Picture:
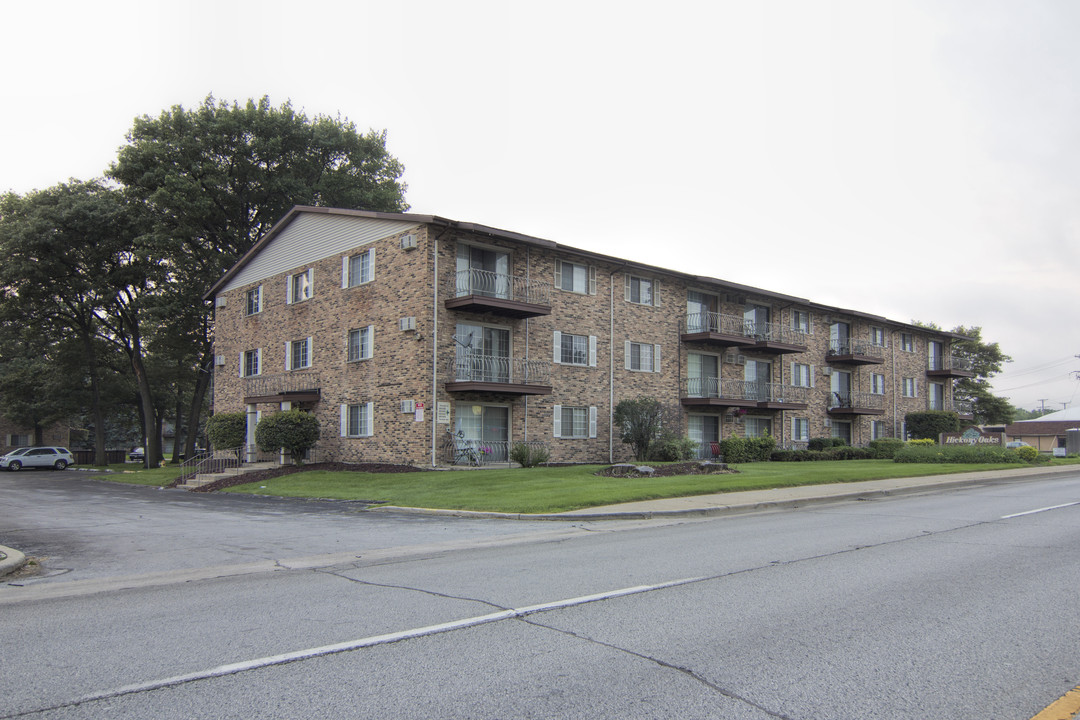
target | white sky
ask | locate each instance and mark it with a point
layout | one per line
(916, 159)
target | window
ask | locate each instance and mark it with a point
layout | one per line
(800, 321)
(361, 343)
(704, 430)
(356, 420)
(877, 336)
(841, 429)
(573, 277)
(574, 422)
(482, 271)
(877, 430)
(18, 440)
(937, 396)
(253, 301)
(642, 291)
(907, 342)
(801, 375)
(642, 357)
(575, 349)
(358, 269)
(300, 287)
(877, 384)
(758, 426)
(800, 430)
(910, 388)
(250, 362)
(298, 354)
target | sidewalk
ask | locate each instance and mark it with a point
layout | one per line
(753, 500)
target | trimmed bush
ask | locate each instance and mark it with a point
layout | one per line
(956, 454)
(227, 430)
(834, 453)
(885, 448)
(294, 430)
(735, 450)
(1027, 453)
(922, 442)
(528, 456)
(670, 447)
(824, 443)
(931, 423)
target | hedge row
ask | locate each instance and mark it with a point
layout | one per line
(957, 454)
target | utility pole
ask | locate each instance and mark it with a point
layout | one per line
(1042, 402)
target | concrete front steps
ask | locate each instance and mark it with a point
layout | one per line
(207, 478)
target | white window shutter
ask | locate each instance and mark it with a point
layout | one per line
(288, 289)
(626, 288)
(592, 279)
(557, 355)
(811, 375)
(369, 420)
(626, 355)
(371, 342)
(557, 429)
(288, 356)
(656, 292)
(258, 360)
(592, 421)
(371, 265)
(310, 351)
(241, 363)
(311, 282)
(592, 351)
(258, 297)
(915, 386)
(656, 358)
(344, 271)
(344, 420)
(558, 274)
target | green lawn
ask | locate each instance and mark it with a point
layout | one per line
(134, 474)
(548, 490)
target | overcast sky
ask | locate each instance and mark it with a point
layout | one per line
(919, 160)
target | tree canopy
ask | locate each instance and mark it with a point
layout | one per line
(986, 360)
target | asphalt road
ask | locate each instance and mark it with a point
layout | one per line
(945, 605)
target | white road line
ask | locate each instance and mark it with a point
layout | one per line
(244, 666)
(1032, 512)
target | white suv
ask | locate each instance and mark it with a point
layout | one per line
(56, 458)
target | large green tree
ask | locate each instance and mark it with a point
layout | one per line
(985, 359)
(218, 176)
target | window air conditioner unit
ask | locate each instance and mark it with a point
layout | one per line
(219, 302)
(408, 242)
(219, 360)
(828, 422)
(407, 323)
(408, 406)
(828, 371)
(740, 359)
(730, 357)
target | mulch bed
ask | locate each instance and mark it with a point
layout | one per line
(261, 475)
(685, 468)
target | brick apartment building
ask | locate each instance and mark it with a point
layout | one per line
(417, 339)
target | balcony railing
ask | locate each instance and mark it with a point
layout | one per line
(710, 387)
(282, 384)
(949, 366)
(711, 322)
(855, 350)
(463, 451)
(500, 286)
(856, 402)
(776, 333)
(498, 369)
(781, 393)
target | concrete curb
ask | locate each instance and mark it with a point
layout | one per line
(10, 560)
(814, 495)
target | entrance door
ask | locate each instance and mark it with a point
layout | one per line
(842, 429)
(937, 355)
(483, 272)
(937, 396)
(485, 429)
(483, 353)
(840, 338)
(701, 312)
(705, 431)
(841, 389)
(756, 321)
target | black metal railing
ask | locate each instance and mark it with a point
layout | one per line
(498, 369)
(864, 348)
(855, 400)
(266, 385)
(499, 285)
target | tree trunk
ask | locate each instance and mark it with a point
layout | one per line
(152, 448)
(202, 384)
(178, 427)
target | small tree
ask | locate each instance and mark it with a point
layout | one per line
(641, 421)
(227, 430)
(294, 430)
(931, 423)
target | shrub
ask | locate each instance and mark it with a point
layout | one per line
(294, 430)
(227, 430)
(885, 448)
(955, 454)
(1027, 453)
(672, 447)
(735, 450)
(528, 456)
(834, 453)
(640, 421)
(931, 423)
(760, 448)
(922, 442)
(824, 443)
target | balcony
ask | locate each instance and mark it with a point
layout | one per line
(714, 392)
(483, 291)
(964, 408)
(716, 329)
(297, 386)
(776, 338)
(854, 352)
(856, 403)
(949, 367)
(495, 374)
(784, 397)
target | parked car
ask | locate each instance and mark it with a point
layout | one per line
(137, 454)
(57, 458)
